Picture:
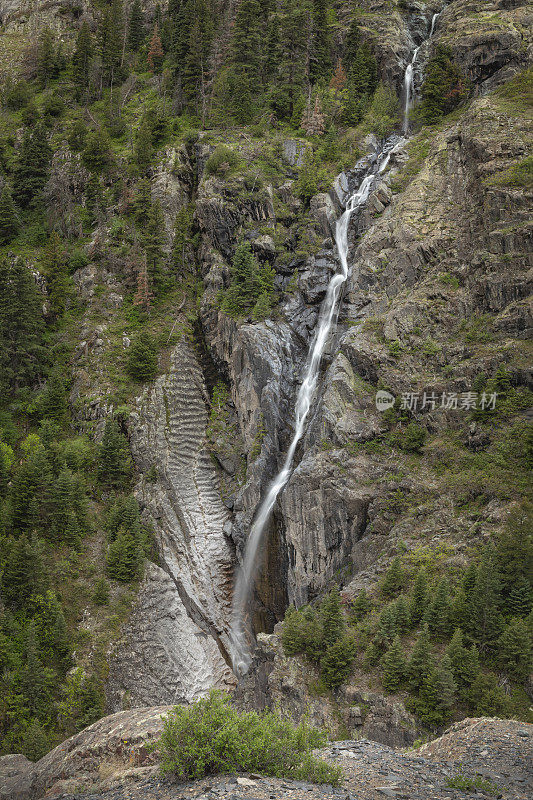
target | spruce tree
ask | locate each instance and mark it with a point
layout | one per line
(418, 598)
(52, 403)
(9, 219)
(114, 459)
(153, 241)
(244, 77)
(360, 607)
(320, 56)
(336, 663)
(97, 155)
(444, 86)
(142, 204)
(420, 661)
(332, 619)
(81, 60)
(24, 573)
(488, 619)
(111, 39)
(436, 694)
(46, 57)
(155, 53)
(35, 740)
(515, 650)
(393, 580)
(124, 557)
(135, 27)
(142, 358)
(401, 614)
(101, 593)
(32, 165)
(197, 36)
(387, 627)
(64, 523)
(36, 679)
(514, 562)
(394, 666)
(439, 611)
(372, 655)
(464, 663)
(464, 605)
(290, 73)
(30, 492)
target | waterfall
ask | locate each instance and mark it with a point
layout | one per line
(240, 651)
(408, 79)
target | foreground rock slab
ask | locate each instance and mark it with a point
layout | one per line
(109, 761)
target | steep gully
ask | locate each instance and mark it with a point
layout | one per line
(240, 647)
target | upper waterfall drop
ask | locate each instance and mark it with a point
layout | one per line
(240, 649)
(409, 77)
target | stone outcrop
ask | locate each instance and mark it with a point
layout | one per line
(177, 632)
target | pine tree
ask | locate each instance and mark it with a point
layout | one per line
(332, 619)
(46, 57)
(336, 663)
(439, 611)
(393, 580)
(372, 655)
(444, 86)
(514, 562)
(7, 457)
(420, 662)
(387, 627)
(32, 165)
(81, 60)
(195, 72)
(436, 694)
(30, 490)
(9, 219)
(142, 358)
(394, 666)
(52, 404)
(124, 513)
(338, 79)
(244, 74)
(401, 614)
(54, 267)
(320, 56)
(135, 27)
(24, 572)
(383, 114)
(64, 523)
(351, 45)
(155, 53)
(360, 607)
(290, 71)
(418, 599)
(488, 619)
(114, 459)
(515, 650)
(97, 155)
(35, 740)
(124, 557)
(101, 593)
(464, 663)
(262, 308)
(111, 39)
(464, 606)
(143, 204)
(36, 679)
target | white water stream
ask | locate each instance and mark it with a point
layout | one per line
(409, 76)
(240, 650)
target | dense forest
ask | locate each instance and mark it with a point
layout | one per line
(109, 92)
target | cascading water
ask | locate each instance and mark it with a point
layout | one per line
(240, 650)
(409, 76)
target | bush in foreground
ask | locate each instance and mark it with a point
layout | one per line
(210, 737)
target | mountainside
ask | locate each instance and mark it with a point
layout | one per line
(171, 180)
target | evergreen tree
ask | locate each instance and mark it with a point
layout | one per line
(464, 606)
(515, 650)
(436, 694)
(244, 78)
(332, 618)
(54, 267)
(46, 57)
(142, 358)
(114, 459)
(444, 86)
(124, 557)
(514, 562)
(35, 740)
(387, 627)
(418, 599)
(135, 27)
(101, 593)
(9, 219)
(155, 53)
(32, 165)
(52, 404)
(320, 57)
(143, 204)
(243, 288)
(439, 611)
(420, 662)
(336, 663)
(198, 35)
(81, 60)
(383, 114)
(401, 614)
(7, 457)
(111, 39)
(352, 42)
(360, 607)
(372, 655)
(143, 295)
(37, 680)
(394, 666)
(64, 523)
(488, 619)
(97, 155)
(393, 580)
(24, 572)
(464, 663)
(30, 491)
(290, 71)
(124, 513)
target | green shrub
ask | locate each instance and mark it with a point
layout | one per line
(209, 737)
(336, 664)
(142, 359)
(221, 161)
(413, 438)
